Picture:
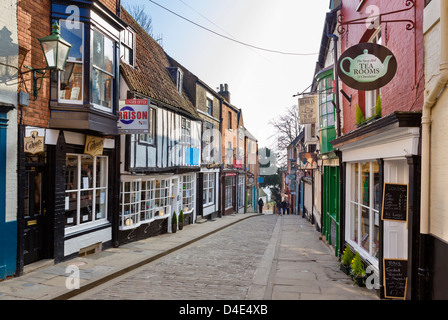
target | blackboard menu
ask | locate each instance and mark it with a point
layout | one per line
(395, 202)
(395, 278)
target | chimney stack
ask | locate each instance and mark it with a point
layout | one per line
(224, 91)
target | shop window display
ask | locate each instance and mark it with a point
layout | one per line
(86, 190)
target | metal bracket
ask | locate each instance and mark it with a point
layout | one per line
(42, 72)
(410, 4)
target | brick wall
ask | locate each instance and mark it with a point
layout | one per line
(33, 22)
(405, 91)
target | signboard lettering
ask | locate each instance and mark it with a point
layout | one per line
(134, 116)
(308, 109)
(34, 143)
(367, 66)
(395, 202)
(395, 278)
(94, 146)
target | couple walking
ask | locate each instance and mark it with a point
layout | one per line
(283, 207)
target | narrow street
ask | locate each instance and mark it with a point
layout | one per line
(266, 257)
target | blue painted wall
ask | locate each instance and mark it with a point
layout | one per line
(8, 230)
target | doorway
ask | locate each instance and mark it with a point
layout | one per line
(331, 218)
(35, 215)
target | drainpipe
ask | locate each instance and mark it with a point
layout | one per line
(430, 101)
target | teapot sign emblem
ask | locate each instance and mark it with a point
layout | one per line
(367, 66)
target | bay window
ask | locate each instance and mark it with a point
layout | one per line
(326, 108)
(102, 71)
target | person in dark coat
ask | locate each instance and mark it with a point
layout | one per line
(279, 207)
(260, 205)
(283, 207)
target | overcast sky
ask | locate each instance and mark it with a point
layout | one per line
(262, 84)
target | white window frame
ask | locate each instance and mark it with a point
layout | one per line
(101, 71)
(241, 191)
(130, 204)
(125, 44)
(188, 194)
(354, 200)
(150, 137)
(229, 192)
(186, 131)
(80, 101)
(209, 105)
(87, 186)
(150, 201)
(208, 193)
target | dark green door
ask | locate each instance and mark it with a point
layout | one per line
(331, 218)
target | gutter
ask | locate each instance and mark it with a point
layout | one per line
(430, 101)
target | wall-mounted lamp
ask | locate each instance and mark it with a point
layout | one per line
(56, 51)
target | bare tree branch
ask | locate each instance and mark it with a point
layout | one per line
(287, 128)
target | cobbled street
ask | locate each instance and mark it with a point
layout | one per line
(249, 260)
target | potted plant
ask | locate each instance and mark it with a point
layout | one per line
(358, 270)
(359, 116)
(174, 222)
(181, 220)
(346, 259)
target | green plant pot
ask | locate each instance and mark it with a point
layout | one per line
(174, 228)
(345, 269)
(181, 225)
(360, 281)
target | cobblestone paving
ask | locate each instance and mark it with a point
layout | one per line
(220, 266)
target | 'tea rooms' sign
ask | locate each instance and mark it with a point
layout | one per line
(367, 66)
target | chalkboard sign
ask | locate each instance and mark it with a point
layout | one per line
(395, 202)
(395, 278)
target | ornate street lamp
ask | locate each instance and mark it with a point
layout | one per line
(56, 51)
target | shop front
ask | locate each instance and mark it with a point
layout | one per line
(376, 156)
(67, 200)
(148, 202)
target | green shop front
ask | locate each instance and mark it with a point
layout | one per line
(329, 159)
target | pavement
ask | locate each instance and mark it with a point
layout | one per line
(296, 265)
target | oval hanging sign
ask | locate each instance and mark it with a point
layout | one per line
(367, 66)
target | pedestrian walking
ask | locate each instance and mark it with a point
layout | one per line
(283, 207)
(279, 207)
(260, 205)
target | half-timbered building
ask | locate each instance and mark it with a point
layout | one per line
(158, 167)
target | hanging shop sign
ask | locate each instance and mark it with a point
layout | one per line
(308, 160)
(134, 116)
(367, 66)
(238, 163)
(94, 146)
(34, 143)
(308, 109)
